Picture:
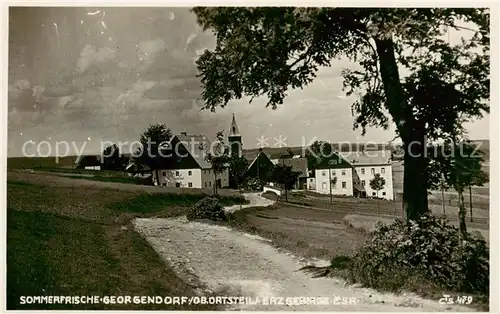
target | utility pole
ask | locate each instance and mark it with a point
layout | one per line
(330, 183)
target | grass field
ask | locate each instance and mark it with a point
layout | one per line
(41, 162)
(74, 240)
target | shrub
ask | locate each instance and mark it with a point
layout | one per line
(253, 184)
(207, 208)
(424, 253)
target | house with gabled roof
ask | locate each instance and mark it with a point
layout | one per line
(336, 175)
(350, 173)
(185, 164)
(366, 164)
(260, 165)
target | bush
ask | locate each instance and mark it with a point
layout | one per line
(427, 253)
(207, 208)
(253, 184)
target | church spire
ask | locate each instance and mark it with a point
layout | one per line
(234, 128)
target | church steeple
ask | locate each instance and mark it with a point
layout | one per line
(234, 128)
(234, 139)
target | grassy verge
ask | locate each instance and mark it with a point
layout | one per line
(71, 241)
(305, 233)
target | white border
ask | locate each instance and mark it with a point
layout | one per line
(494, 115)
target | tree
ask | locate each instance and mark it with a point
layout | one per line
(285, 176)
(237, 168)
(218, 158)
(111, 158)
(460, 164)
(436, 175)
(265, 51)
(317, 151)
(153, 142)
(479, 178)
(377, 184)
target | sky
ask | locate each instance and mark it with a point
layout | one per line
(90, 76)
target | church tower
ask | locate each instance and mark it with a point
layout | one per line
(234, 139)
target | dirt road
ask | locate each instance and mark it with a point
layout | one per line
(256, 200)
(232, 263)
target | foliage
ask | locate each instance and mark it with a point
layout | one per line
(285, 176)
(429, 251)
(264, 51)
(377, 183)
(457, 165)
(153, 141)
(318, 150)
(112, 159)
(237, 167)
(253, 184)
(207, 208)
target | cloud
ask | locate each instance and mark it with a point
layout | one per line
(90, 55)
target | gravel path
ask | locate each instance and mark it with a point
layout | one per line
(255, 200)
(232, 263)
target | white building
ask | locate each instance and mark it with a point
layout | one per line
(189, 169)
(368, 163)
(341, 178)
(350, 174)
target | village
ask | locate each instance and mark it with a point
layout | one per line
(173, 193)
(349, 172)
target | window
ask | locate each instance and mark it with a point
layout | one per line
(373, 170)
(164, 173)
(363, 183)
(323, 185)
(177, 185)
(209, 183)
(190, 184)
(190, 172)
(323, 173)
(334, 185)
(382, 170)
(374, 194)
(206, 184)
(177, 173)
(344, 184)
(334, 173)
(343, 172)
(164, 184)
(383, 193)
(362, 170)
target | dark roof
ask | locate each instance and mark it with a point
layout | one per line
(298, 165)
(333, 162)
(197, 146)
(250, 155)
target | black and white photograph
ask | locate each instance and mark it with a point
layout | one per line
(259, 158)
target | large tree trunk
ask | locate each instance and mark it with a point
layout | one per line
(415, 202)
(470, 203)
(461, 213)
(415, 176)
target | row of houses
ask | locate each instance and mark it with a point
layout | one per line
(352, 171)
